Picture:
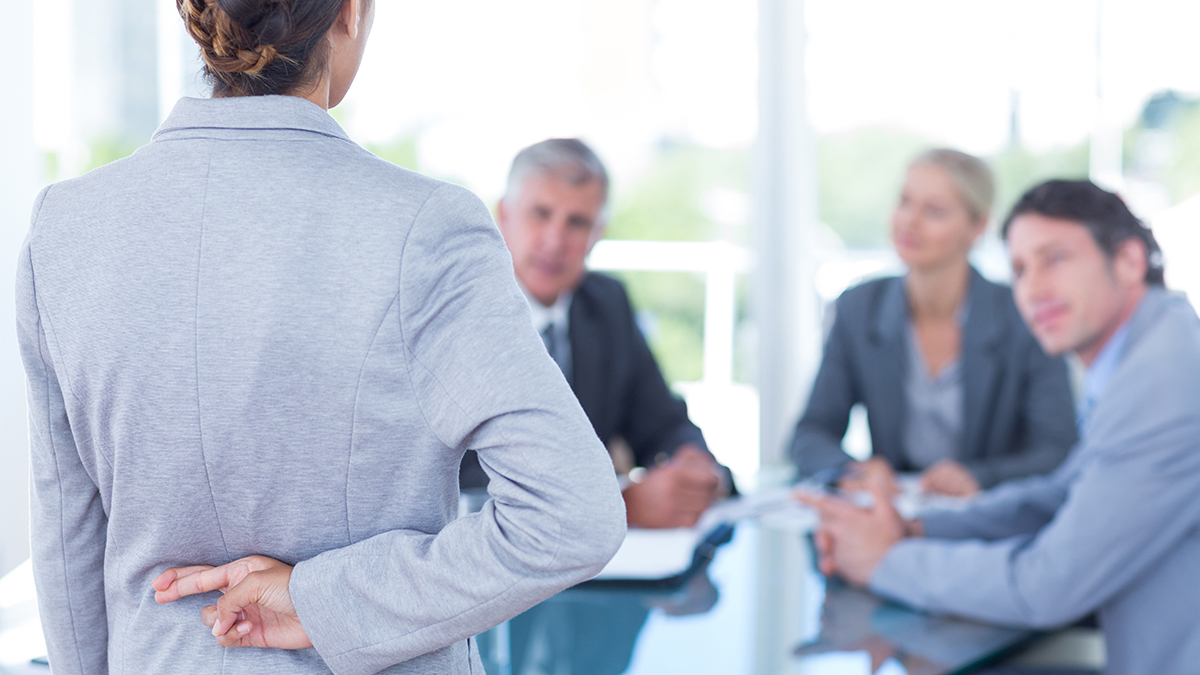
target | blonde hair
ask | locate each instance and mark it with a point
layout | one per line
(971, 177)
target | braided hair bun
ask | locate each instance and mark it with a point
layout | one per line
(258, 47)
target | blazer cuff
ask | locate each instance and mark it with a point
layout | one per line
(331, 638)
(944, 524)
(896, 577)
(986, 476)
(665, 449)
(689, 433)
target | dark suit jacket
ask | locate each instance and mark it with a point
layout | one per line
(616, 380)
(1018, 416)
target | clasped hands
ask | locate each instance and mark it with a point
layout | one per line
(853, 539)
(676, 493)
(255, 609)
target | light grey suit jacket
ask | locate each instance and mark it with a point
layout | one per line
(1116, 529)
(252, 336)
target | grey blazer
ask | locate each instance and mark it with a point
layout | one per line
(1018, 413)
(252, 336)
(1115, 529)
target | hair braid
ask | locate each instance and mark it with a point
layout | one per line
(258, 47)
(227, 46)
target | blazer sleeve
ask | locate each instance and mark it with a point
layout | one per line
(1131, 504)
(817, 442)
(654, 421)
(1047, 418)
(485, 383)
(68, 522)
(1018, 507)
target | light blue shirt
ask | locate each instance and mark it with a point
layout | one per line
(1096, 379)
(935, 408)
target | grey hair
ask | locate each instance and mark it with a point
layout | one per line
(971, 177)
(568, 159)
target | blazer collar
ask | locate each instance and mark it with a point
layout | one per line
(983, 308)
(986, 325)
(891, 315)
(1152, 306)
(248, 113)
(588, 349)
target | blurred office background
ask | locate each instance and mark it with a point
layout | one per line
(756, 147)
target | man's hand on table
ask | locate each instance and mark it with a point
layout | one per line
(676, 493)
(255, 609)
(852, 540)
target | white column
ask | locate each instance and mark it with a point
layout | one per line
(179, 65)
(20, 171)
(785, 223)
(171, 36)
(1105, 151)
(720, 315)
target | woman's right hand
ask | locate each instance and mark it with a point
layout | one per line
(256, 609)
(874, 475)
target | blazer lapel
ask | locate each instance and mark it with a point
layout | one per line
(888, 335)
(1153, 304)
(983, 334)
(587, 349)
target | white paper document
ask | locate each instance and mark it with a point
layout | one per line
(776, 508)
(912, 501)
(653, 554)
(660, 554)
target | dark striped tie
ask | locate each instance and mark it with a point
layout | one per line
(550, 339)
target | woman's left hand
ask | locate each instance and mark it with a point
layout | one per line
(256, 609)
(948, 477)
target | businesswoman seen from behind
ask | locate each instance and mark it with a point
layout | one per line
(252, 345)
(954, 385)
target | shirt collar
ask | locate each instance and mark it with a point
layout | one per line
(1098, 375)
(557, 314)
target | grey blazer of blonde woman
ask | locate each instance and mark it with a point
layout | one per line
(1018, 413)
(254, 337)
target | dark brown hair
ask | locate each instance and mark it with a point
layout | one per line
(260, 47)
(1103, 213)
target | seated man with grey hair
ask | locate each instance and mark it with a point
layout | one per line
(551, 215)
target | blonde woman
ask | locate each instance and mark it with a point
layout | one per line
(954, 385)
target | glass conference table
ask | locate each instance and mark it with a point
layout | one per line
(758, 607)
(754, 606)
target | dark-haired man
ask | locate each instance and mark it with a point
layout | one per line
(1116, 529)
(552, 214)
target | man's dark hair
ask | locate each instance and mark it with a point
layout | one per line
(1103, 213)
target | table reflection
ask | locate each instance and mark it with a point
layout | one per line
(855, 621)
(759, 607)
(592, 630)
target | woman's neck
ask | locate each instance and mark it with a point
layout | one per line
(937, 293)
